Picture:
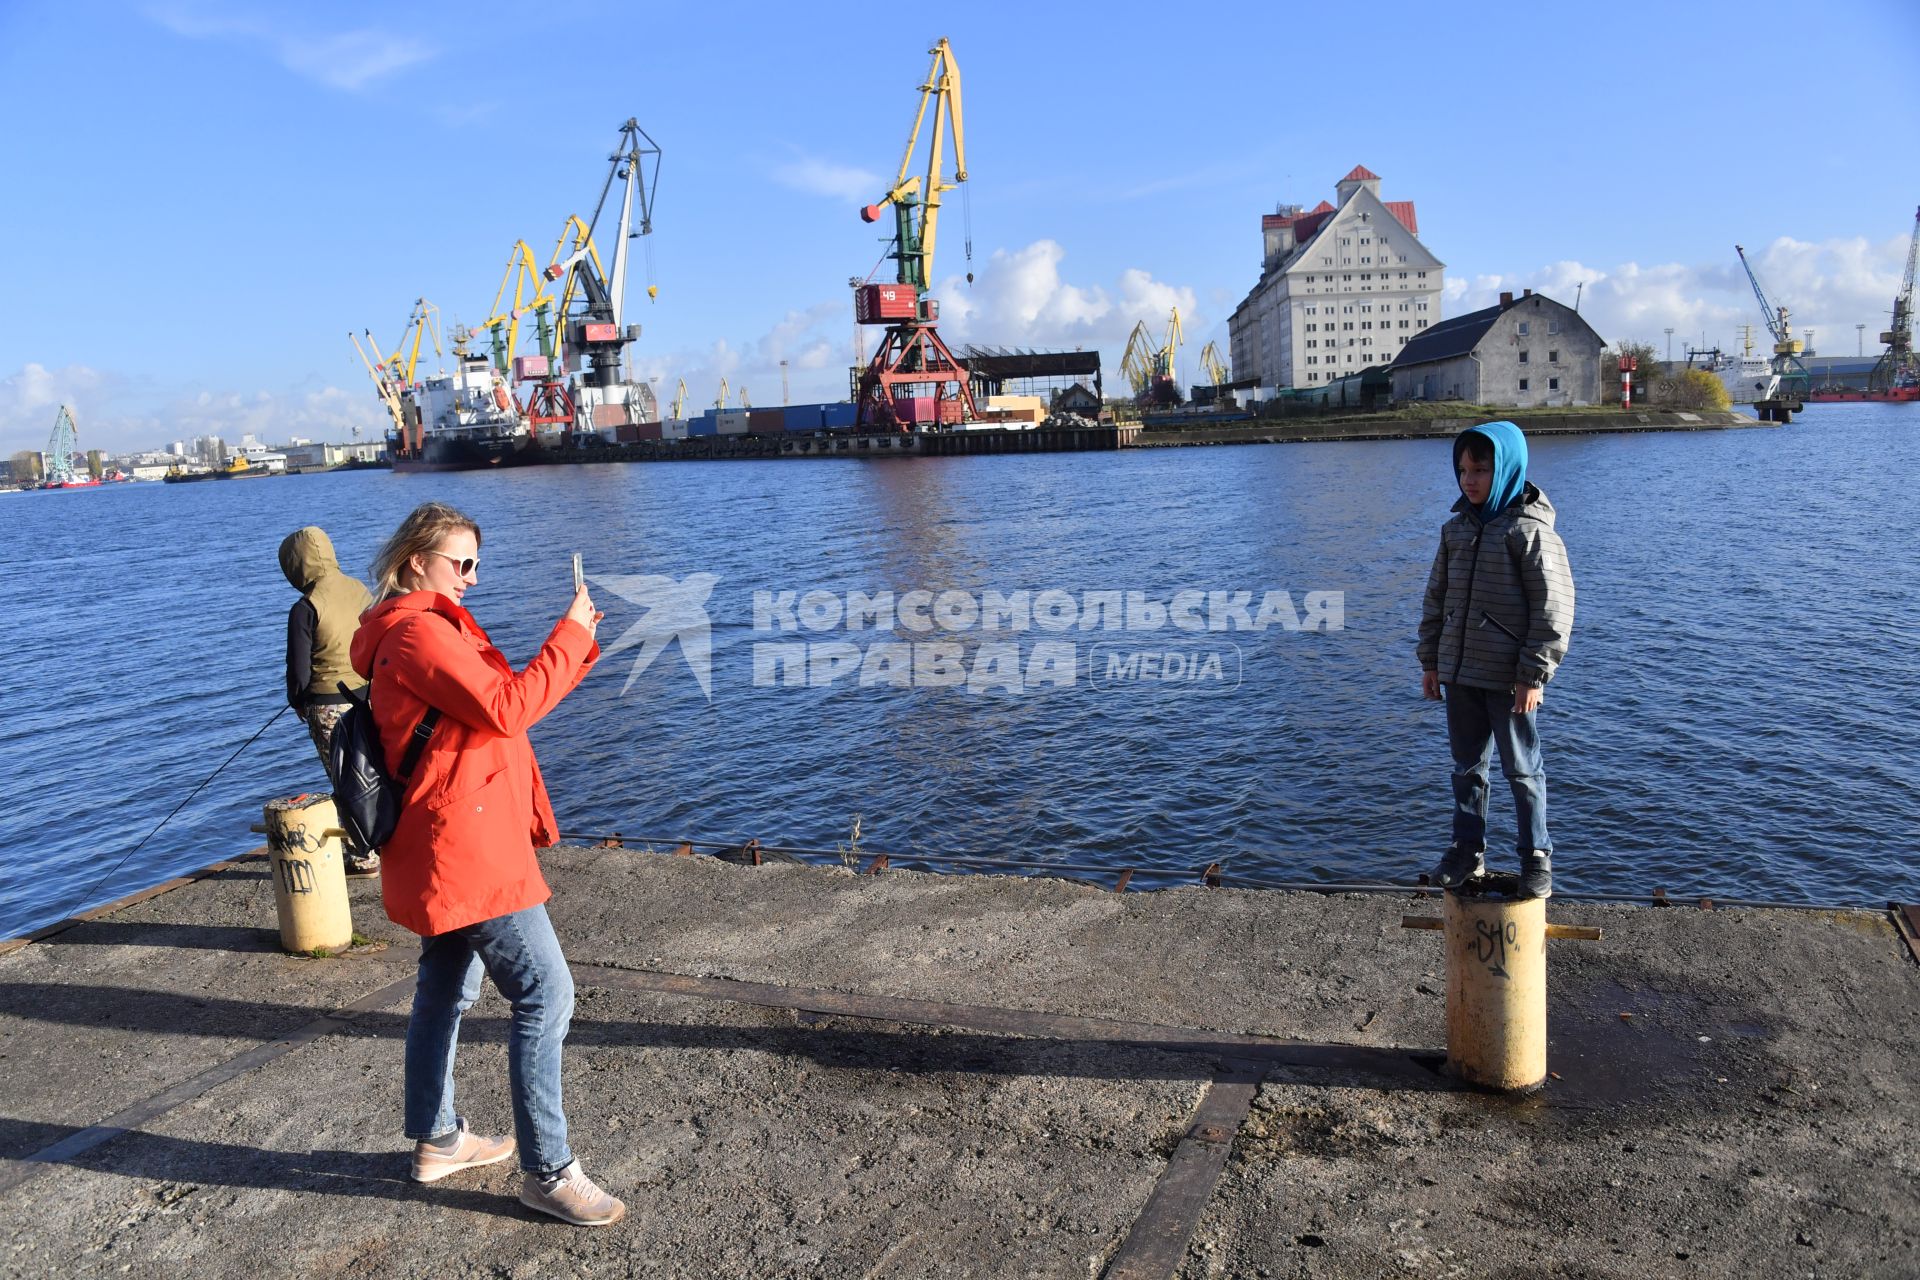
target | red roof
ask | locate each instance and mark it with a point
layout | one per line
(1322, 207)
(1268, 221)
(1305, 227)
(1403, 210)
(1361, 174)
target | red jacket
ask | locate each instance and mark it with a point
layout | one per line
(475, 808)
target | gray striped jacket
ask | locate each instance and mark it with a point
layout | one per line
(1499, 604)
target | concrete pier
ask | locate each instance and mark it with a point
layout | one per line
(797, 1071)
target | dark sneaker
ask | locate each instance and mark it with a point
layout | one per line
(431, 1163)
(362, 864)
(571, 1196)
(1457, 867)
(1536, 874)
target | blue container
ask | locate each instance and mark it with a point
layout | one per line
(704, 425)
(801, 417)
(840, 414)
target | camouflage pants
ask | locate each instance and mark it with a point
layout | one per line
(321, 719)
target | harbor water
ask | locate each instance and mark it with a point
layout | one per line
(1734, 718)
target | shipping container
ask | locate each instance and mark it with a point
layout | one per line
(842, 414)
(648, 431)
(801, 417)
(883, 303)
(952, 411)
(704, 425)
(766, 422)
(626, 433)
(525, 367)
(731, 422)
(673, 429)
(914, 408)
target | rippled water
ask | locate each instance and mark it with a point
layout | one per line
(1735, 717)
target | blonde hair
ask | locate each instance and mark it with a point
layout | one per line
(420, 533)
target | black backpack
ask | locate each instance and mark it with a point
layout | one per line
(365, 795)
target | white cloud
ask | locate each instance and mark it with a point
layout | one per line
(825, 178)
(120, 414)
(1021, 299)
(344, 60)
(1828, 287)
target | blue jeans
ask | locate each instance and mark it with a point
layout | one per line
(522, 956)
(1477, 720)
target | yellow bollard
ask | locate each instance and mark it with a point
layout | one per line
(309, 874)
(1496, 985)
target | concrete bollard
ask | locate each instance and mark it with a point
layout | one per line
(309, 874)
(1496, 988)
(1496, 945)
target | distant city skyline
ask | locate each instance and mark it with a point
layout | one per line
(219, 192)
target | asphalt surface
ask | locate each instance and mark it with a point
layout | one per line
(797, 1071)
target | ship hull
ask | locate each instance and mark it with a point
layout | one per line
(1892, 395)
(484, 453)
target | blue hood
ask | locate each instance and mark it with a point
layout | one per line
(1509, 464)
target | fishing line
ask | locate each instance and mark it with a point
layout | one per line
(111, 871)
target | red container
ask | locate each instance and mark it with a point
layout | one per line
(525, 367)
(766, 422)
(601, 332)
(884, 303)
(646, 430)
(627, 433)
(950, 410)
(914, 408)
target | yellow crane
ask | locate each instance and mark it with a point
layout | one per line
(914, 250)
(913, 368)
(1137, 362)
(1212, 367)
(393, 374)
(1150, 369)
(680, 401)
(744, 402)
(503, 323)
(721, 403)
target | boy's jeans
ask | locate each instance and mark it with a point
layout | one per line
(522, 956)
(1476, 720)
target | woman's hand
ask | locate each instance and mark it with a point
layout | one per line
(582, 610)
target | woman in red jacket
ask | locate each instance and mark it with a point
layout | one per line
(460, 869)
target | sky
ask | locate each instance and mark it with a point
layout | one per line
(203, 198)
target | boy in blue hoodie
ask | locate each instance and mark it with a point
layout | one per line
(1493, 628)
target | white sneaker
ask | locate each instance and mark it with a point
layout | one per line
(572, 1197)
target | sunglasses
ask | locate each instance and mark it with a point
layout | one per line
(463, 565)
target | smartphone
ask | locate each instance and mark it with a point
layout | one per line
(579, 579)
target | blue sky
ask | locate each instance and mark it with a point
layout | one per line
(203, 197)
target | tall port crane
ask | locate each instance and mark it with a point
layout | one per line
(591, 324)
(1786, 348)
(911, 355)
(1136, 362)
(503, 323)
(394, 375)
(1151, 369)
(1897, 366)
(1212, 367)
